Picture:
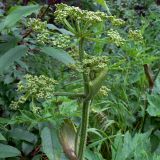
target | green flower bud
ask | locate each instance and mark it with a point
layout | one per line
(115, 37)
(135, 35)
(117, 21)
(36, 24)
(64, 11)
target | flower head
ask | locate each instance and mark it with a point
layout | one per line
(115, 37)
(135, 35)
(64, 11)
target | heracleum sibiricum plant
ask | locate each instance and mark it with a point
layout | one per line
(92, 68)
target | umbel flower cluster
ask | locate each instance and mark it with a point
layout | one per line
(34, 88)
(91, 65)
(135, 35)
(64, 12)
(37, 25)
(103, 91)
(45, 36)
(116, 21)
(95, 63)
(115, 37)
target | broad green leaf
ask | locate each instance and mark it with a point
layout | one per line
(11, 42)
(11, 56)
(58, 54)
(2, 138)
(47, 145)
(50, 142)
(27, 148)
(154, 105)
(8, 151)
(17, 13)
(21, 134)
(104, 5)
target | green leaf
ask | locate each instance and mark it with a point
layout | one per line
(58, 54)
(95, 131)
(27, 148)
(47, 145)
(62, 30)
(104, 5)
(50, 142)
(10, 43)
(11, 56)
(17, 13)
(154, 105)
(117, 147)
(21, 134)
(90, 155)
(2, 138)
(8, 151)
(136, 147)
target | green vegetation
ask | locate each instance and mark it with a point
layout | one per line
(80, 80)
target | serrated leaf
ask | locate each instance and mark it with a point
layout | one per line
(17, 13)
(117, 147)
(11, 56)
(8, 151)
(58, 54)
(154, 105)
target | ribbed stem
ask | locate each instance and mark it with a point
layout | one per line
(86, 106)
(84, 127)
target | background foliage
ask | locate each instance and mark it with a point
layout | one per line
(124, 124)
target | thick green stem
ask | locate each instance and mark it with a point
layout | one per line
(86, 106)
(81, 50)
(85, 75)
(84, 127)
